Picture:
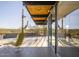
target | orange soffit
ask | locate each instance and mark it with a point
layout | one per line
(39, 10)
(40, 19)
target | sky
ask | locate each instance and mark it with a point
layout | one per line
(11, 15)
(72, 20)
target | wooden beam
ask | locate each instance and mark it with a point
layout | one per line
(41, 22)
(39, 15)
(39, 2)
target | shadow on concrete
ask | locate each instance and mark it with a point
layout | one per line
(68, 51)
(26, 52)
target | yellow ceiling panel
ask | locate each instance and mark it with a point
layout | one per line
(39, 9)
(39, 18)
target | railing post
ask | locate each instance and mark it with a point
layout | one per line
(56, 23)
(22, 21)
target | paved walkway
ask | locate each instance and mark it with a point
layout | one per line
(37, 47)
(28, 42)
(26, 52)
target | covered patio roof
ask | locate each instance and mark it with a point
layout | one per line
(39, 10)
(66, 7)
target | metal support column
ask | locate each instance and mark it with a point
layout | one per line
(56, 23)
(22, 21)
(50, 31)
(62, 23)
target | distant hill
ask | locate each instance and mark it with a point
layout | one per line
(73, 32)
(5, 31)
(10, 30)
